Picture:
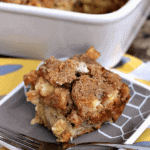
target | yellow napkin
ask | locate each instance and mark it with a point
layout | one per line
(136, 68)
(12, 71)
(144, 139)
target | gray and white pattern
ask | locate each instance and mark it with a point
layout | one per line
(16, 113)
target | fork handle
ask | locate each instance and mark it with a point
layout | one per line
(127, 146)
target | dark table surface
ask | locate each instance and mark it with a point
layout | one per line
(141, 45)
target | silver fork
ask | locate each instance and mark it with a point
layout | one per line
(27, 143)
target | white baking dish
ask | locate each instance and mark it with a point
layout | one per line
(39, 33)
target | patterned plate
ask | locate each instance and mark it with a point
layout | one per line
(16, 113)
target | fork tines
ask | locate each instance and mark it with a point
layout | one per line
(18, 140)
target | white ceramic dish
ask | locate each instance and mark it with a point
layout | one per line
(39, 33)
(16, 113)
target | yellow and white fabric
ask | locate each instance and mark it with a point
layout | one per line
(12, 71)
(135, 67)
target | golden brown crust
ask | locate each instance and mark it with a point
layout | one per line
(30, 77)
(89, 57)
(58, 72)
(99, 6)
(83, 6)
(92, 53)
(65, 136)
(75, 119)
(75, 96)
(58, 99)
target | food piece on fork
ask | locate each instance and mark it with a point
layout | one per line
(75, 96)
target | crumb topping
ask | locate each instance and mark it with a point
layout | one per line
(75, 96)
